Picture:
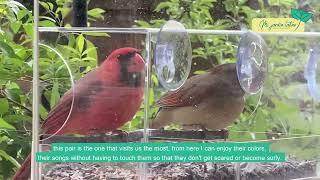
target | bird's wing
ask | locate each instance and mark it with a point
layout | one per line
(188, 95)
(58, 115)
(193, 91)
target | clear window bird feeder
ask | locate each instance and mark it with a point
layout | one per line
(275, 74)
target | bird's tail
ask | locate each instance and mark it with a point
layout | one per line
(24, 172)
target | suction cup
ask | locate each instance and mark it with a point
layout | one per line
(252, 62)
(173, 55)
(72, 87)
(310, 73)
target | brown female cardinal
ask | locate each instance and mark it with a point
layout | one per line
(104, 100)
(207, 101)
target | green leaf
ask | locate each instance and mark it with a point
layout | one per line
(96, 13)
(49, 6)
(70, 49)
(47, 18)
(64, 11)
(22, 13)
(15, 4)
(92, 54)
(16, 118)
(89, 59)
(144, 24)
(4, 106)
(230, 5)
(15, 26)
(163, 5)
(29, 29)
(260, 124)
(5, 125)
(200, 72)
(301, 15)
(151, 96)
(9, 158)
(7, 50)
(13, 93)
(55, 95)
(43, 112)
(7, 75)
(47, 23)
(80, 42)
(155, 80)
(89, 50)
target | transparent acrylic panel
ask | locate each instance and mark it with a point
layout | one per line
(286, 109)
(282, 113)
(184, 111)
(98, 99)
(95, 13)
(172, 55)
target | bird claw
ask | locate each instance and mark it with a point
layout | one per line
(122, 134)
(204, 130)
(224, 132)
(161, 129)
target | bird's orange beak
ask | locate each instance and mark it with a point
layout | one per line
(139, 51)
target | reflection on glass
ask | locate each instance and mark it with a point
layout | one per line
(252, 62)
(173, 55)
(311, 73)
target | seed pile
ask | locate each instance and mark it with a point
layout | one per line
(180, 171)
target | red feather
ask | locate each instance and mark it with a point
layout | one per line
(104, 100)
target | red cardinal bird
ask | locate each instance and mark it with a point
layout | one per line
(104, 100)
(207, 101)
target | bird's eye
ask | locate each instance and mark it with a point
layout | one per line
(126, 56)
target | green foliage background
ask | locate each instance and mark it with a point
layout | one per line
(286, 110)
(16, 31)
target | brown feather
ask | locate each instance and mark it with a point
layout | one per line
(209, 100)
